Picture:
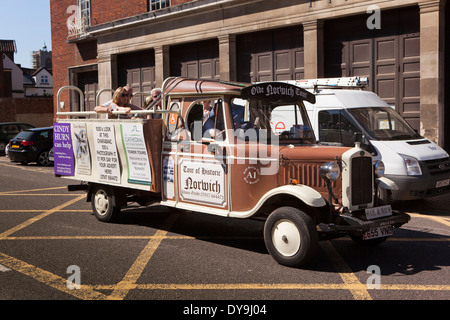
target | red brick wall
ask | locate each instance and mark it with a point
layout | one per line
(35, 111)
(65, 55)
(105, 11)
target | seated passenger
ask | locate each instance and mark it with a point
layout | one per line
(155, 95)
(119, 102)
(208, 117)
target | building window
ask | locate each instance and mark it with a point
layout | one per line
(85, 12)
(158, 4)
(80, 17)
(44, 79)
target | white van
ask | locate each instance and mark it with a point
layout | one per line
(415, 167)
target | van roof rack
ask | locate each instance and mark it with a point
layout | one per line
(343, 82)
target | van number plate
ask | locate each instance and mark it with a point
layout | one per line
(378, 212)
(373, 233)
(442, 183)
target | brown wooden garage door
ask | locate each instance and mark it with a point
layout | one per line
(270, 55)
(137, 69)
(88, 83)
(388, 56)
(196, 60)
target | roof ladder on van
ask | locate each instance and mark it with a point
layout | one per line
(343, 82)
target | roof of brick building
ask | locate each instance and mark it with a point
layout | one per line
(8, 46)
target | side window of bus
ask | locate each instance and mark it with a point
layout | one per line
(176, 130)
(205, 120)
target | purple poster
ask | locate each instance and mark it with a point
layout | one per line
(62, 149)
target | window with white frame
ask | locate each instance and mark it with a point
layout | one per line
(80, 17)
(158, 4)
(85, 12)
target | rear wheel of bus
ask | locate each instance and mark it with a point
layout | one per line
(290, 236)
(104, 204)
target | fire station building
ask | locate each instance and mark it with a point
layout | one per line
(403, 46)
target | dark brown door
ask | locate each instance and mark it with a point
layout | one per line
(271, 55)
(196, 60)
(388, 56)
(137, 69)
(88, 83)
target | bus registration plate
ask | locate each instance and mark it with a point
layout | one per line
(379, 232)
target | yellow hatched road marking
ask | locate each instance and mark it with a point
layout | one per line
(133, 274)
(166, 237)
(272, 286)
(48, 278)
(30, 190)
(443, 220)
(358, 290)
(39, 217)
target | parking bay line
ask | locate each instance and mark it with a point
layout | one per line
(39, 217)
(30, 190)
(274, 286)
(48, 278)
(88, 291)
(181, 237)
(359, 291)
(129, 280)
(351, 283)
(439, 219)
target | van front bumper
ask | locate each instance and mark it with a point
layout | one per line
(419, 187)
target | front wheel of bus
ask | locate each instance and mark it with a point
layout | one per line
(104, 204)
(290, 236)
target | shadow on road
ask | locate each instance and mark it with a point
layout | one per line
(404, 254)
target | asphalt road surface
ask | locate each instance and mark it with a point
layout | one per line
(53, 248)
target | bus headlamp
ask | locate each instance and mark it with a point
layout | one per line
(330, 171)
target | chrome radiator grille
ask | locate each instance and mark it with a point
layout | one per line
(361, 180)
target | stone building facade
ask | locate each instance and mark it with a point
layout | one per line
(401, 45)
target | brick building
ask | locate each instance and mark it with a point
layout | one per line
(400, 44)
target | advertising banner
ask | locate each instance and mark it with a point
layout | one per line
(136, 153)
(106, 153)
(62, 149)
(203, 182)
(81, 149)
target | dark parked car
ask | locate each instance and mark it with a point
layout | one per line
(32, 145)
(9, 130)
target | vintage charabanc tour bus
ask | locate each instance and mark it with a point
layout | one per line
(216, 150)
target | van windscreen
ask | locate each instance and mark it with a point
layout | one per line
(383, 123)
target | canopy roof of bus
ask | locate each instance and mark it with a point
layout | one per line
(186, 86)
(273, 91)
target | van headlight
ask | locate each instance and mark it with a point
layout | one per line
(330, 171)
(379, 169)
(412, 165)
